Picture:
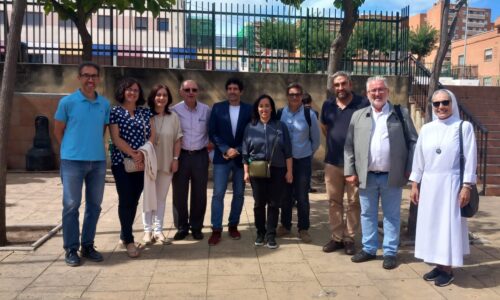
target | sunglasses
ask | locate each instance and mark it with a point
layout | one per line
(438, 103)
(190, 90)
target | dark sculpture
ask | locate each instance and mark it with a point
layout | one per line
(41, 157)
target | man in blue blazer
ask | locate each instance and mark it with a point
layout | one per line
(225, 130)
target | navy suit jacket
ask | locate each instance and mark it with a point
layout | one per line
(220, 131)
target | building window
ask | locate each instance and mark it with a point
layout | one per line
(487, 81)
(461, 60)
(65, 23)
(33, 19)
(2, 20)
(488, 54)
(162, 24)
(104, 22)
(141, 23)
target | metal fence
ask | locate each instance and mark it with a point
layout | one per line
(202, 35)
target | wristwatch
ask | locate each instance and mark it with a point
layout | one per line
(176, 158)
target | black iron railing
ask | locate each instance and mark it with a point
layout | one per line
(419, 78)
(225, 36)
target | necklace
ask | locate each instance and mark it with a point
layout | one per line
(158, 131)
(440, 139)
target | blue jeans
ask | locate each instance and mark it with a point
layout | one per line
(221, 178)
(299, 190)
(376, 187)
(73, 174)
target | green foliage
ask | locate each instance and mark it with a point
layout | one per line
(423, 40)
(246, 38)
(68, 9)
(315, 36)
(336, 3)
(199, 32)
(277, 34)
(372, 36)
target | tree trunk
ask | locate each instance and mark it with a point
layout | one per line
(446, 35)
(6, 95)
(80, 21)
(339, 45)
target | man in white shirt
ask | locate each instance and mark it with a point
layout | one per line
(378, 155)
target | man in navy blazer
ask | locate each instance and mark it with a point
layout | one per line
(225, 130)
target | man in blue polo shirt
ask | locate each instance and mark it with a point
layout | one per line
(305, 136)
(80, 121)
(335, 117)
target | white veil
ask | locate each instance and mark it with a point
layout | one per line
(455, 113)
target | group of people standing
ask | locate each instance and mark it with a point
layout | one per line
(369, 156)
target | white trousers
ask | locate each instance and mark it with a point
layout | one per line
(153, 220)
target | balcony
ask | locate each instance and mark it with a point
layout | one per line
(464, 72)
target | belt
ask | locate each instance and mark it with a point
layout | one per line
(192, 152)
(378, 172)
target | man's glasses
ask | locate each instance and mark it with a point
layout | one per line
(438, 103)
(190, 90)
(89, 76)
(374, 91)
(294, 95)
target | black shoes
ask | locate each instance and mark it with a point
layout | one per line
(432, 275)
(390, 262)
(90, 253)
(197, 234)
(362, 256)
(71, 258)
(259, 241)
(444, 279)
(180, 235)
(332, 246)
(271, 242)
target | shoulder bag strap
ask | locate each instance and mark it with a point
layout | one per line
(462, 158)
(397, 108)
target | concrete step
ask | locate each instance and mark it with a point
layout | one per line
(492, 190)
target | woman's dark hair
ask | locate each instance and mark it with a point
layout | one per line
(125, 84)
(306, 98)
(255, 111)
(152, 96)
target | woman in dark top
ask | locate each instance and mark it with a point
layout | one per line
(266, 138)
(130, 128)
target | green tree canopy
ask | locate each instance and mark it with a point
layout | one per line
(423, 40)
(277, 34)
(315, 37)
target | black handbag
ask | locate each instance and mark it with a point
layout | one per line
(262, 168)
(469, 210)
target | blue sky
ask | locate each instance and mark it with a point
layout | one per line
(416, 6)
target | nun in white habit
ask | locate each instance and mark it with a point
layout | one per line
(442, 234)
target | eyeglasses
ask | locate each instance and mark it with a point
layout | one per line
(132, 91)
(294, 95)
(438, 103)
(378, 90)
(190, 90)
(89, 76)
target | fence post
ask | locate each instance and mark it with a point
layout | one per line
(307, 41)
(398, 23)
(213, 36)
(111, 32)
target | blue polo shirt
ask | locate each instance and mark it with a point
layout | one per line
(85, 120)
(305, 139)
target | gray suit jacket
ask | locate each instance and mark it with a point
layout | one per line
(357, 146)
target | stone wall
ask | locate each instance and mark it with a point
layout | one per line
(39, 88)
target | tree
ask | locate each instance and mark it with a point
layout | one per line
(6, 95)
(199, 32)
(423, 40)
(277, 34)
(80, 11)
(338, 46)
(373, 36)
(315, 37)
(445, 37)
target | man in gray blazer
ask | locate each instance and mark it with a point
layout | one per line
(378, 156)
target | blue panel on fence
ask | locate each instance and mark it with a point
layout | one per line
(104, 49)
(186, 53)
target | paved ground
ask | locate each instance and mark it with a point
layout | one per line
(233, 269)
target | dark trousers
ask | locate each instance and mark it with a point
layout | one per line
(193, 167)
(129, 187)
(298, 190)
(268, 191)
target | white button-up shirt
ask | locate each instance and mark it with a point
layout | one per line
(380, 152)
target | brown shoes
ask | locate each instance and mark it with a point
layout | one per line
(332, 246)
(349, 248)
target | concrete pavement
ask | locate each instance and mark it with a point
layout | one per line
(191, 269)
